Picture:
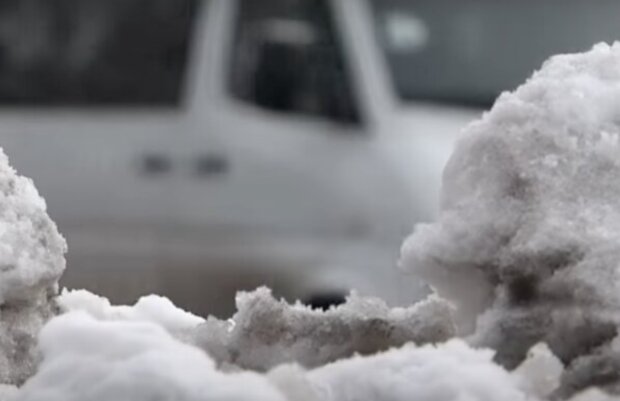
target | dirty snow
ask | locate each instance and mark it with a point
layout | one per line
(266, 332)
(526, 245)
(31, 262)
(87, 359)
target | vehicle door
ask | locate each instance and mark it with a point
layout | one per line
(281, 168)
(91, 104)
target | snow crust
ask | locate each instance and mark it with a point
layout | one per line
(266, 332)
(526, 245)
(31, 262)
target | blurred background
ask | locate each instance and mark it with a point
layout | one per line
(193, 148)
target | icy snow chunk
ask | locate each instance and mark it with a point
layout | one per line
(31, 262)
(266, 332)
(85, 359)
(529, 230)
(450, 371)
(151, 308)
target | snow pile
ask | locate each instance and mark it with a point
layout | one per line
(266, 332)
(529, 231)
(31, 262)
(87, 359)
(451, 371)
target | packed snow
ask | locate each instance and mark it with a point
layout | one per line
(88, 359)
(527, 243)
(524, 260)
(31, 262)
(266, 332)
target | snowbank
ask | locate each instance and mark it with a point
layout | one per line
(451, 371)
(31, 262)
(87, 359)
(529, 231)
(266, 332)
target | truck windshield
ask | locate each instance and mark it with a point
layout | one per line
(467, 52)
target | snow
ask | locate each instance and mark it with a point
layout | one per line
(593, 395)
(31, 262)
(152, 308)
(8, 392)
(451, 371)
(266, 332)
(526, 245)
(540, 372)
(88, 359)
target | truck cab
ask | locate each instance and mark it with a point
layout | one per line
(270, 149)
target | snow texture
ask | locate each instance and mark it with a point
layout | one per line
(95, 354)
(89, 359)
(31, 262)
(266, 332)
(85, 359)
(593, 395)
(451, 371)
(529, 229)
(540, 372)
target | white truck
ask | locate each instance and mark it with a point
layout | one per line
(293, 156)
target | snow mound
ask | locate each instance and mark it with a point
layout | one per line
(31, 262)
(529, 230)
(266, 332)
(451, 371)
(85, 359)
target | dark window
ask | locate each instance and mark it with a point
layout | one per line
(93, 52)
(287, 58)
(467, 52)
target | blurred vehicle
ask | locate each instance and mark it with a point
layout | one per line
(198, 148)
